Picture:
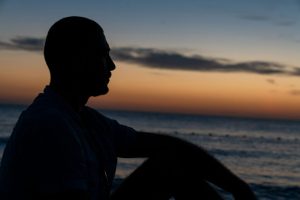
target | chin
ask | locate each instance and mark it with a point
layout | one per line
(98, 92)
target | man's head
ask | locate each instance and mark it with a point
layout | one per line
(77, 55)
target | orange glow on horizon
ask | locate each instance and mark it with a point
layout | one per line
(200, 93)
(21, 79)
(144, 89)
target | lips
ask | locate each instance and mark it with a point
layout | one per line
(108, 77)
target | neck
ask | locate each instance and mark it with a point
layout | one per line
(71, 95)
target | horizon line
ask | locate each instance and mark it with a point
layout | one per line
(245, 117)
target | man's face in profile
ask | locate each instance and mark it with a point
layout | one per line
(97, 67)
(77, 54)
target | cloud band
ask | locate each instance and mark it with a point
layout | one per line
(156, 58)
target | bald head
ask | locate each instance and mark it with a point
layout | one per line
(75, 48)
(68, 40)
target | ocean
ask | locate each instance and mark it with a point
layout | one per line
(265, 153)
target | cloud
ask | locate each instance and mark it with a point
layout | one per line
(23, 43)
(295, 92)
(172, 60)
(286, 23)
(276, 20)
(296, 71)
(155, 58)
(255, 17)
(271, 81)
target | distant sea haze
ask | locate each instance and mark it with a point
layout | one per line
(265, 153)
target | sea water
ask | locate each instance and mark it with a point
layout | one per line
(265, 153)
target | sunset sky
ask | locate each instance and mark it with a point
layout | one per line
(213, 57)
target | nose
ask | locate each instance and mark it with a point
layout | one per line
(111, 64)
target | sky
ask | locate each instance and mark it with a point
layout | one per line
(214, 57)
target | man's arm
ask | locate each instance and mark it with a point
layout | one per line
(191, 157)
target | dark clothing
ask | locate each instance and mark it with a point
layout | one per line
(53, 149)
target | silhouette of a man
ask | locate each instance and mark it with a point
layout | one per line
(62, 149)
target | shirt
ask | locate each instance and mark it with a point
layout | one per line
(53, 148)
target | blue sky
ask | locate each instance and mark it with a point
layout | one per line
(232, 28)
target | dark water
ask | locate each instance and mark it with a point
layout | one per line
(265, 153)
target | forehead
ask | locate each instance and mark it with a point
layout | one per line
(98, 40)
(101, 42)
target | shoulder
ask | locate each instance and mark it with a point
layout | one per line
(42, 121)
(47, 108)
(123, 136)
(41, 116)
(101, 118)
(113, 124)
